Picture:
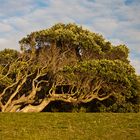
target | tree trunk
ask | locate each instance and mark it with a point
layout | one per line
(37, 108)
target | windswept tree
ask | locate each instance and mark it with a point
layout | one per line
(67, 63)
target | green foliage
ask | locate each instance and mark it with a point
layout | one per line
(7, 56)
(91, 45)
(117, 76)
(108, 70)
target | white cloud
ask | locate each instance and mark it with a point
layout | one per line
(9, 43)
(115, 41)
(2, 40)
(12, 7)
(5, 27)
(105, 25)
(136, 63)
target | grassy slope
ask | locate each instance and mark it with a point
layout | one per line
(69, 126)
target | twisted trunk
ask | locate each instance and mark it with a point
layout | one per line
(37, 108)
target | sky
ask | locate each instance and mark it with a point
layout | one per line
(117, 20)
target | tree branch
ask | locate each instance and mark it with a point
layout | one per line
(15, 93)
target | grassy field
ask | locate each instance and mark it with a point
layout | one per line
(69, 126)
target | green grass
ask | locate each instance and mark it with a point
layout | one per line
(69, 126)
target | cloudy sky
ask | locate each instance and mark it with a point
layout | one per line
(117, 20)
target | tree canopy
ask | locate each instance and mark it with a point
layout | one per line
(67, 64)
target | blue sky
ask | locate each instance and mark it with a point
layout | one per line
(117, 20)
